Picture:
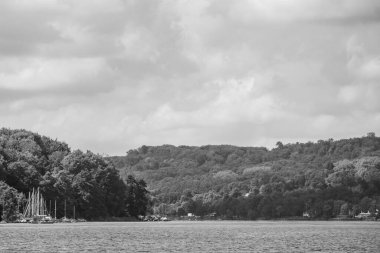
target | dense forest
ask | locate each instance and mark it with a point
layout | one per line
(325, 179)
(84, 180)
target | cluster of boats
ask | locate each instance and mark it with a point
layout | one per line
(154, 218)
(36, 211)
(48, 220)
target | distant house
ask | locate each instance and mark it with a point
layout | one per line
(190, 215)
(306, 215)
(363, 215)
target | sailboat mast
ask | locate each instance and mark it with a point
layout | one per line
(55, 209)
(32, 201)
(3, 207)
(38, 200)
(27, 212)
(35, 202)
(43, 205)
(29, 208)
(40, 204)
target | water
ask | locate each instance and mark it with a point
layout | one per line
(192, 236)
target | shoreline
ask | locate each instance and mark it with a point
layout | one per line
(189, 221)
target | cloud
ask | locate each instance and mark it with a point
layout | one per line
(41, 74)
(223, 104)
(371, 69)
(249, 11)
(114, 75)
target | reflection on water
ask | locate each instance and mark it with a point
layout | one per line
(184, 236)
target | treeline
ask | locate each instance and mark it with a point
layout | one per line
(81, 179)
(324, 179)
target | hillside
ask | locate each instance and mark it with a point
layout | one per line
(326, 179)
(84, 180)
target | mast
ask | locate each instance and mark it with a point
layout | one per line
(3, 206)
(65, 208)
(36, 205)
(28, 209)
(38, 201)
(41, 203)
(43, 206)
(32, 201)
(55, 209)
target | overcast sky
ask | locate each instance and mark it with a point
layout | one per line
(112, 75)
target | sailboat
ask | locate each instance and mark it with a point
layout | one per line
(36, 211)
(65, 219)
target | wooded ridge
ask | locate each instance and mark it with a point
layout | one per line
(325, 179)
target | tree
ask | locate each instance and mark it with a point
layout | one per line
(136, 197)
(9, 201)
(22, 175)
(265, 189)
(343, 175)
(81, 179)
(188, 206)
(328, 207)
(365, 204)
(371, 135)
(279, 145)
(143, 149)
(344, 209)
(114, 190)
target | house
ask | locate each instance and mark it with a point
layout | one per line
(363, 215)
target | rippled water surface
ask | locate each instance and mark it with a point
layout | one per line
(186, 236)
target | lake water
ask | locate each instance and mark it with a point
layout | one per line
(192, 236)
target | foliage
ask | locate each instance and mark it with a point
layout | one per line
(327, 178)
(137, 200)
(10, 200)
(84, 180)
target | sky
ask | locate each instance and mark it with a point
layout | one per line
(113, 75)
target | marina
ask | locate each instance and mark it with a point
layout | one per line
(36, 211)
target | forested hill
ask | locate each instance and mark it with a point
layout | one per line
(84, 180)
(326, 179)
